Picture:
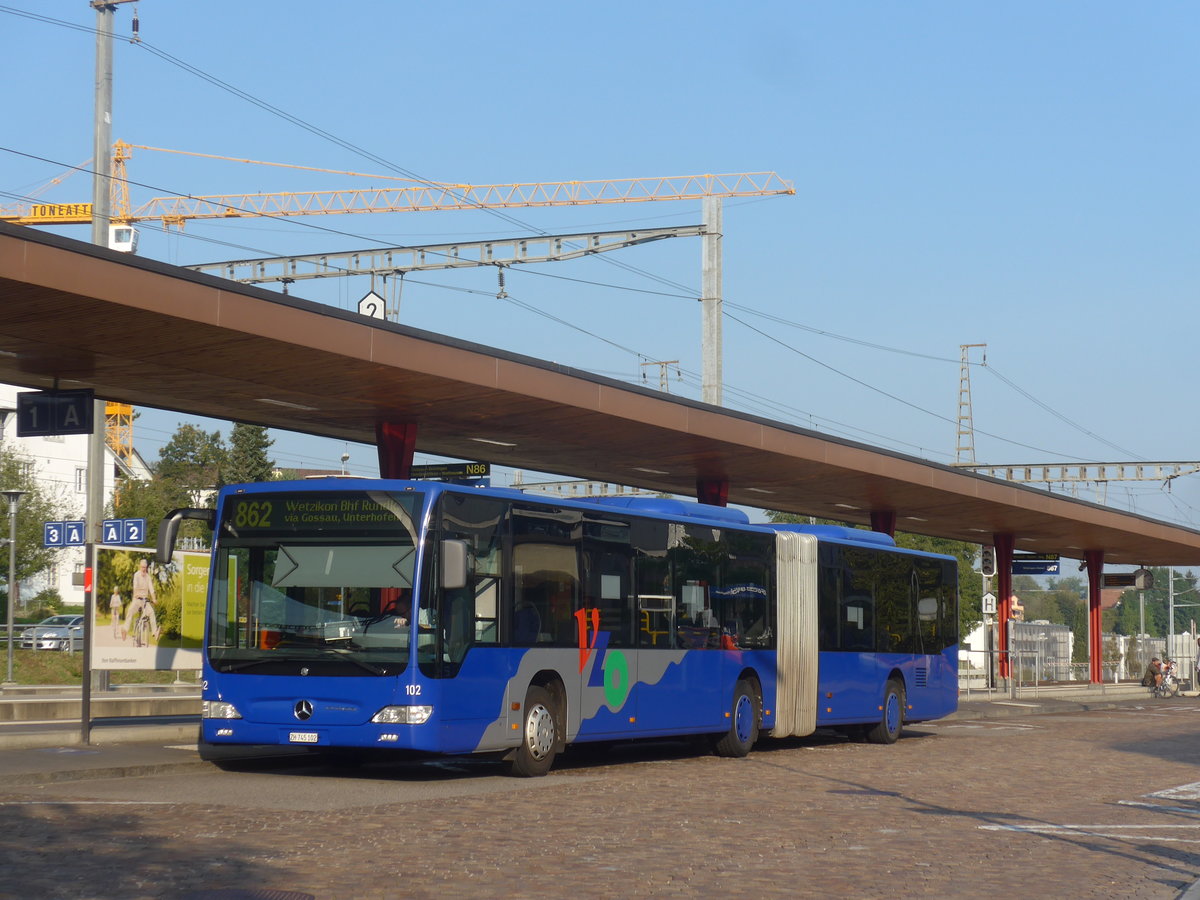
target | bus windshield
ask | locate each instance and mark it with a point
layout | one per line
(315, 581)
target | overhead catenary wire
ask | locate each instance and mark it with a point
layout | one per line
(304, 124)
(727, 304)
(329, 136)
(884, 393)
(594, 335)
(348, 145)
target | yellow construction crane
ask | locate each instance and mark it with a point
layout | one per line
(425, 196)
(413, 197)
(118, 430)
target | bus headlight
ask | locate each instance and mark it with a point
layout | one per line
(218, 709)
(403, 715)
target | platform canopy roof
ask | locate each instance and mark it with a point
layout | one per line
(143, 332)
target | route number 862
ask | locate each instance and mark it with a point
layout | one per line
(252, 514)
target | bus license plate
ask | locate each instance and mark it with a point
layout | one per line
(303, 737)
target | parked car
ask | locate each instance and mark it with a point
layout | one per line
(54, 633)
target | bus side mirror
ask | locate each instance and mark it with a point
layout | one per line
(169, 529)
(454, 564)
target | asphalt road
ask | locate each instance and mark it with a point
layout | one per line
(1099, 803)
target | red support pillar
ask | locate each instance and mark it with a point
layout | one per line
(1094, 560)
(1004, 554)
(395, 442)
(884, 520)
(713, 491)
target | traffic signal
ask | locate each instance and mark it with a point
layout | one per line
(987, 561)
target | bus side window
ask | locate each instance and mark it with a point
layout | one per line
(468, 615)
(484, 611)
(828, 592)
(653, 588)
(700, 559)
(895, 592)
(606, 569)
(858, 622)
(747, 614)
(607, 589)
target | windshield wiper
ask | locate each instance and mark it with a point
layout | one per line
(246, 664)
(341, 654)
(374, 670)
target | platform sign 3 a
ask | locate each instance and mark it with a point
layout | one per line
(64, 534)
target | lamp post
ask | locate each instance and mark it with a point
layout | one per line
(14, 500)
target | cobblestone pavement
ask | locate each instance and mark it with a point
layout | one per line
(1079, 805)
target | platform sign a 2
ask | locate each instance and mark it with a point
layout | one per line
(123, 531)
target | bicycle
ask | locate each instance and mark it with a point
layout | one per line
(1168, 687)
(145, 624)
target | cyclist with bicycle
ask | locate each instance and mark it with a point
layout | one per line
(144, 600)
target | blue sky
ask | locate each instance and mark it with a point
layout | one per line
(1020, 174)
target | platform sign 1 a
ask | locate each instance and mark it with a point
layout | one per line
(43, 413)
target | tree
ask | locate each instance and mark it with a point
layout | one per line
(151, 500)
(195, 461)
(38, 505)
(1156, 603)
(248, 460)
(188, 472)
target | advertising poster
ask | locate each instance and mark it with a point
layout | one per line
(148, 616)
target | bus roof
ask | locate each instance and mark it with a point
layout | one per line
(656, 507)
(842, 533)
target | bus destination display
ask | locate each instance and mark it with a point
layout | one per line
(317, 512)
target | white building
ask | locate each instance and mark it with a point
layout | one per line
(59, 465)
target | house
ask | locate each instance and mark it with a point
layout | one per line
(59, 463)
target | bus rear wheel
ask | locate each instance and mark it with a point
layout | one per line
(745, 716)
(539, 736)
(887, 731)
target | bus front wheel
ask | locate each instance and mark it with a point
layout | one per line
(745, 717)
(887, 731)
(539, 735)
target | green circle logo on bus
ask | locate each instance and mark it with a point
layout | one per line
(616, 679)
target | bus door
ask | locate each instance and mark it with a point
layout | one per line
(611, 690)
(673, 644)
(936, 630)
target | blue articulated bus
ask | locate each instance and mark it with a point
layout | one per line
(440, 619)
